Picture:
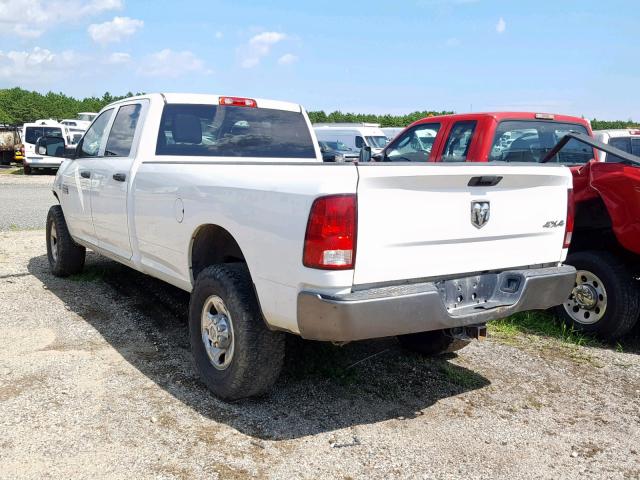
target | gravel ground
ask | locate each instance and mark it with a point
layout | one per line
(96, 380)
(25, 201)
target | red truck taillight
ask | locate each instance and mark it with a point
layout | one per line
(571, 213)
(330, 241)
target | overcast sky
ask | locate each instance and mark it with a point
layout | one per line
(577, 57)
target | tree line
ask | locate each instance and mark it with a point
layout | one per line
(18, 106)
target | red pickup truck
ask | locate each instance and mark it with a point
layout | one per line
(605, 248)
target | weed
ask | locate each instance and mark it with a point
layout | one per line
(542, 324)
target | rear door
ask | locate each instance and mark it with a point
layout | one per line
(424, 220)
(111, 177)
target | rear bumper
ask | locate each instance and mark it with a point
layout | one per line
(398, 310)
(43, 162)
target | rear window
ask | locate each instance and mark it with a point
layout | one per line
(32, 134)
(229, 131)
(627, 144)
(530, 140)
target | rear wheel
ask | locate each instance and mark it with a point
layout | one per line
(65, 256)
(436, 342)
(26, 169)
(235, 353)
(605, 298)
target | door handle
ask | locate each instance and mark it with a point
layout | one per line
(485, 181)
(119, 177)
(85, 174)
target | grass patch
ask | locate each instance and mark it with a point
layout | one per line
(90, 274)
(541, 324)
(12, 171)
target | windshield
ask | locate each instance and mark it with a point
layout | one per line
(530, 140)
(86, 117)
(377, 142)
(339, 146)
(228, 131)
(32, 134)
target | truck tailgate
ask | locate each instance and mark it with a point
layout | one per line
(416, 221)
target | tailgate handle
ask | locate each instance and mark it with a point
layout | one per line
(485, 181)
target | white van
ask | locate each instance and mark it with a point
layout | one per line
(354, 135)
(31, 132)
(626, 139)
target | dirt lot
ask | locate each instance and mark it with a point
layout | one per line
(96, 381)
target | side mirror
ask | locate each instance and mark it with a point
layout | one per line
(70, 152)
(50, 146)
(365, 154)
(377, 157)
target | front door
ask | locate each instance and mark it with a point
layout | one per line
(111, 176)
(76, 180)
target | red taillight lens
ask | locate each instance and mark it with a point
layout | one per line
(330, 242)
(571, 213)
(238, 102)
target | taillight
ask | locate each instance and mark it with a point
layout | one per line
(238, 102)
(571, 213)
(330, 241)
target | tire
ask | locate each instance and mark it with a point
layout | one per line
(250, 358)
(65, 256)
(6, 159)
(608, 301)
(26, 169)
(436, 342)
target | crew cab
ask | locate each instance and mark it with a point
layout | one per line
(606, 239)
(228, 198)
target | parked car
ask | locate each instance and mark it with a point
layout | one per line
(625, 139)
(354, 135)
(269, 239)
(31, 132)
(606, 239)
(9, 139)
(337, 152)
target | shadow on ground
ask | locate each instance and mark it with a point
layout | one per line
(322, 387)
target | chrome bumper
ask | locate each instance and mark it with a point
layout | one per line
(398, 310)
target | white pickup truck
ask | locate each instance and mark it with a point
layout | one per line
(228, 198)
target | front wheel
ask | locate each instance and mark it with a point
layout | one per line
(605, 298)
(235, 353)
(65, 256)
(436, 342)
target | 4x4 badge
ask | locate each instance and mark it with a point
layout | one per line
(480, 213)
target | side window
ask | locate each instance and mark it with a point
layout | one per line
(457, 146)
(359, 142)
(123, 131)
(414, 145)
(94, 137)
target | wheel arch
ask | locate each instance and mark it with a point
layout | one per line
(212, 244)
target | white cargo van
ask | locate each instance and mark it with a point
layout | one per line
(354, 135)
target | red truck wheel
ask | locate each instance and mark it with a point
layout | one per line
(606, 298)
